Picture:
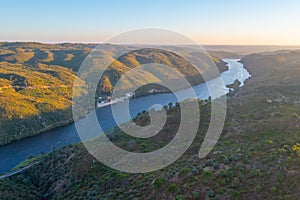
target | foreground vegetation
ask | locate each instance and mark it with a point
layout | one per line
(251, 165)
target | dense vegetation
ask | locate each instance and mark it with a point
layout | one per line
(257, 157)
(36, 82)
(136, 58)
(35, 88)
(33, 99)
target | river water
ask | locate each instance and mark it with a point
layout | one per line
(16, 152)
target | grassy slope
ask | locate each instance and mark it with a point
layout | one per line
(257, 157)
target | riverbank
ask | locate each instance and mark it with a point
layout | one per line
(67, 114)
(18, 151)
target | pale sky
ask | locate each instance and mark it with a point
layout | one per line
(232, 22)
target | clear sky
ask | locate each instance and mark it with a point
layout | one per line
(255, 22)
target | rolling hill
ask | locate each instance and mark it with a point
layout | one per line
(135, 58)
(36, 81)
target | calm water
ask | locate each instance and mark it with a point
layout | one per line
(16, 152)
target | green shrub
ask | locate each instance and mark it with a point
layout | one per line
(287, 197)
(258, 188)
(173, 187)
(184, 171)
(159, 182)
(210, 193)
(179, 197)
(280, 177)
(273, 189)
(208, 174)
(195, 195)
(216, 165)
(235, 194)
(195, 171)
(224, 182)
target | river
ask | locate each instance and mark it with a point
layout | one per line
(18, 151)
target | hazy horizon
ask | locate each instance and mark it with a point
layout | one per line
(87, 43)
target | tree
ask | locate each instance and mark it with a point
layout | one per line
(106, 85)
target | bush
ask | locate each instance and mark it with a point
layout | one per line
(226, 160)
(195, 195)
(273, 189)
(173, 187)
(235, 194)
(216, 165)
(208, 175)
(179, 197)
(184, 171)
(195, 171)
(210, 193)
(159, 182)
(224, 182)
(287, 197)
(280, 177)
(258, 188)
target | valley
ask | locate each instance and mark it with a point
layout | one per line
(257, 156)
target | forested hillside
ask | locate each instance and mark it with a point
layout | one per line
(36, 82)
(35, 87)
